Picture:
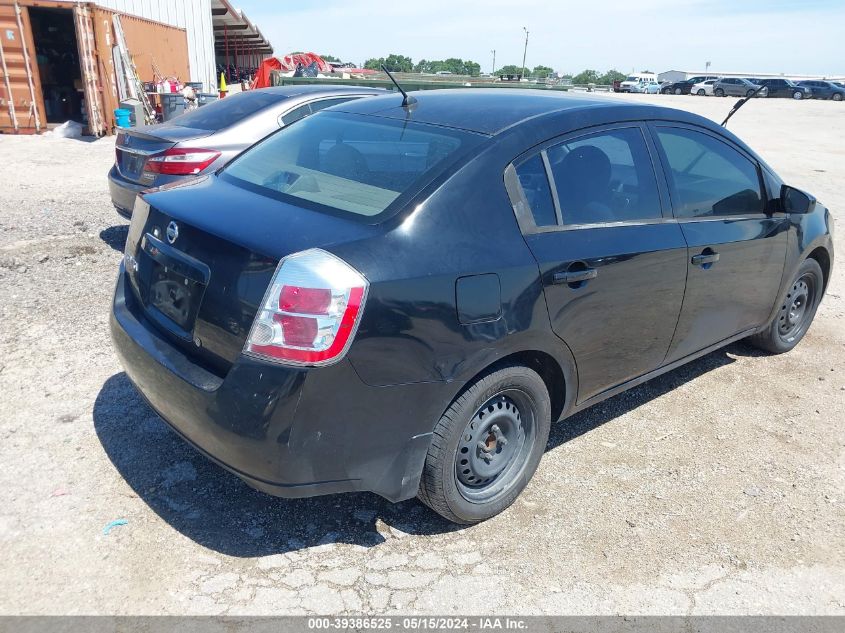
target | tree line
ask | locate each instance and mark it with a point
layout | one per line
(457, 66)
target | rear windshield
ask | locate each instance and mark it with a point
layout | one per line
(222, 113)
(349, 163)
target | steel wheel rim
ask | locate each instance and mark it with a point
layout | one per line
(488, 460)
(795, 312)
(797, 95)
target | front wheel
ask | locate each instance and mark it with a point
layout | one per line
(837, 97)
(487, 445)
(678, 91)
(796, 311)
(798, 95)
(700, 92)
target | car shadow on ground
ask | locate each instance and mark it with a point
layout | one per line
(217, 510)
(115, 236)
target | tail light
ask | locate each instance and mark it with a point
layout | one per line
(310, 312)
(178, 161)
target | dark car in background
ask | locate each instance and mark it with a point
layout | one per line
(736, 87)
(824, 89)
(785, 88)
(203, 140)
(684, 87)
(402, 297)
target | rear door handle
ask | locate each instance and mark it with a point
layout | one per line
(576, 276)
(705, 258)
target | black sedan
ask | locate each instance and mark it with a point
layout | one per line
(684, 87)
(785, 88)
(824, 89)
(401, 297)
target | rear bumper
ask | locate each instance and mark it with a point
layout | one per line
(123, 192)
(286, 431)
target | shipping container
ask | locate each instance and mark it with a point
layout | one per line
(57, 63)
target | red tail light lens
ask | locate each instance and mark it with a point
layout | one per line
(181, 162)
(310, 312)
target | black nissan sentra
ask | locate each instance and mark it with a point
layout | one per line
(402, 297)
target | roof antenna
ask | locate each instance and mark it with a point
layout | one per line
(739, 104)
(406, 101)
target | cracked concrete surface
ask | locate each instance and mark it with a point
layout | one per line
(717, 488)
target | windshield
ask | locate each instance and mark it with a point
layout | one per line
(222, 113)
(632, 79)
(348, 163)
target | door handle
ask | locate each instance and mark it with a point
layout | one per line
(705, 258)
(576, 276)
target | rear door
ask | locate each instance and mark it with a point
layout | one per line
(736, 249)
(613, 267)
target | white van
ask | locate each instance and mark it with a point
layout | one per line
(636, 79)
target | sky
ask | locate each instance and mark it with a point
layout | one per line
(765, 36)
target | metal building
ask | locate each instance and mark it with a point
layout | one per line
(192, 15)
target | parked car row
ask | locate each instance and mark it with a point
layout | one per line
(713, 85)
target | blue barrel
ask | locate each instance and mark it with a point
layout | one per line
(123, 117)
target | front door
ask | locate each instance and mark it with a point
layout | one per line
(612, 266)
(736, 249)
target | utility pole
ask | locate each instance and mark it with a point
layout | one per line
(524, 51)
(494, 62)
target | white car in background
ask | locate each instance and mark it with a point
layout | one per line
(646, 86)
(703, 88)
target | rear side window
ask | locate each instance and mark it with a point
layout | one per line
(708, 176)
(535, 187)
(605, 177)
(222, 113)
(340, 162)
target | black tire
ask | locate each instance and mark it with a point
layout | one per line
(837, 97)
(701, 92)
(512, 396)
(666, 91)
(719, 92)
(798, 95)
(797, 310)
(678, 91)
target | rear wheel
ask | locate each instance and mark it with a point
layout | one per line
(486, 446)
(749, 92)
(700, 92)
(666, 91)
(678, 91)
(798, 95)
(796, 311)
(837, 97)
(719, 92)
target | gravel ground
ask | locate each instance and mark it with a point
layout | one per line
(717, 488)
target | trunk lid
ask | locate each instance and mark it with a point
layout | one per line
(202, 290)
(134, 146)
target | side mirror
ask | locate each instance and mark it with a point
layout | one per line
(796, 201)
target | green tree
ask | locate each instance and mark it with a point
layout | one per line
(541, 72)
(330, 58)
(395, 63)
(610, 76)
(510, 69)
(586, 77)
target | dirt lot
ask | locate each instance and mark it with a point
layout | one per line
(718, 488)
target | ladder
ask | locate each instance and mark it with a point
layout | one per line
(134, 85)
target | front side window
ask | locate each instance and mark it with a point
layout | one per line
(709, 177)
(338, 162)
(605, 177)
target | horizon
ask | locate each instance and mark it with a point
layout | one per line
(659, 35)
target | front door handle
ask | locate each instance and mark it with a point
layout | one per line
(707, 257)
(576, 276)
